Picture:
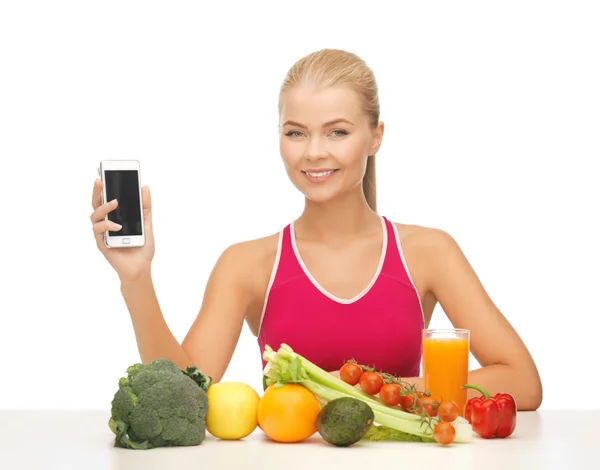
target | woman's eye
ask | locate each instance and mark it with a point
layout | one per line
(294, 134)
(339, 133)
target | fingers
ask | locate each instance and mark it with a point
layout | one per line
(146, 199)
(105, 225)
(103, 210)
(147, 205)
(97, 194)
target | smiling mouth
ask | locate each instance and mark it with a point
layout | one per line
(319, 174)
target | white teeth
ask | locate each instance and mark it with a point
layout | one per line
(320, 174)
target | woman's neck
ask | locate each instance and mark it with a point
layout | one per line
(344, 217)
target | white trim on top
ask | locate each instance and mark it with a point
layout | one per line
(406, 267)
(271, 280)
(321, 288)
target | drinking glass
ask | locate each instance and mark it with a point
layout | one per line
(446, 364)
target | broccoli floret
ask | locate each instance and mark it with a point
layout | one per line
(159, 405)
(203, 380)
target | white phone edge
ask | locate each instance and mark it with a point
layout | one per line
(131, 241)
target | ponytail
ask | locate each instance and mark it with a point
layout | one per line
(369, 184)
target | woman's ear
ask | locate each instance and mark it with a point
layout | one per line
(377, 138)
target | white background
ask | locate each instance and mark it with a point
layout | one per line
(492, 130)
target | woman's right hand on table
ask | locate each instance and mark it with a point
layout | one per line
(129, 263)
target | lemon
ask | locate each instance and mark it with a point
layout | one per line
(232, 410)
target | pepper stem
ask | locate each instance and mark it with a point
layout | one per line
(480, 389)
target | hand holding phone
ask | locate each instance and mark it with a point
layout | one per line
(121, 181)
(121, 217)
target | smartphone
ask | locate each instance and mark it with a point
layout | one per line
(121, 180)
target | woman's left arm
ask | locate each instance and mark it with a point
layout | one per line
(507, 365)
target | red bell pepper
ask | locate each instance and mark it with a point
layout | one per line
(491, 416)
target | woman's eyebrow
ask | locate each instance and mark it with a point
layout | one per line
(337, 121)
(294, 123)
(327, 124)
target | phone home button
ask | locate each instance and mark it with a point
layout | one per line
(126, 241)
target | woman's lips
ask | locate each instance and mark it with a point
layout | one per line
(319, 176)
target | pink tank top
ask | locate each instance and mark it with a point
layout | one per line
(380, 327)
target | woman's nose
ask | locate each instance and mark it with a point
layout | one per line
(315, 150)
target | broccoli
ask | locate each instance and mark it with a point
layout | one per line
(159, 405)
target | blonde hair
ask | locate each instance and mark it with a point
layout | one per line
(334, 67)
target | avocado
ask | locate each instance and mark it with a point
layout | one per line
(344, 421)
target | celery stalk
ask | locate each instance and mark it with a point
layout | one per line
(286, 366)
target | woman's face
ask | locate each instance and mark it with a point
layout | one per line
(325, 140)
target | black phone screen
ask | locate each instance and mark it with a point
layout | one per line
(123, 185)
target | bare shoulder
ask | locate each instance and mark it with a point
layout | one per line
(251, 254)
(427, 251)
(425, 239)
(250, 263)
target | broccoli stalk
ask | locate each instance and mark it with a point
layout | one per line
(157, 405)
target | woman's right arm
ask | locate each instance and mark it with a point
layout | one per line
(214, 334)
(212, 339)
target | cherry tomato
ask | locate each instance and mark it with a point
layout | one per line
(430, 405)
(444, 433)
(371, 382)
(448, 411)
(407, 402)
(390, 394)
(351, 373)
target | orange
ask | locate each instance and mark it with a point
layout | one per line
(288, 413)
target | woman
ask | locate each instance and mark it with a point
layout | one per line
(341, 281)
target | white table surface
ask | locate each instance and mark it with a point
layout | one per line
(51, 440)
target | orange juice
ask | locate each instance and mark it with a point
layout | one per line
(446, 365)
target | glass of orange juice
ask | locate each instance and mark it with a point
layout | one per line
(446, 364)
